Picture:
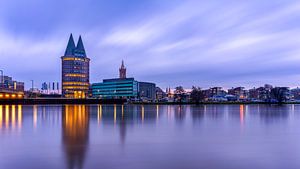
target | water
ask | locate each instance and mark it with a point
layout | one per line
(150, 136)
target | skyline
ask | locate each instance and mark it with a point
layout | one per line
(205, 44)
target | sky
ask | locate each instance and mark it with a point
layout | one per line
(226, 43)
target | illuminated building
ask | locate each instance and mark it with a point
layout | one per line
(75, 70)
(11, 89)
(116, 88)
(124, 87)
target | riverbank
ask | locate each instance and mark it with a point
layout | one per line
(203, 103)
(114, 101)
(61, 101)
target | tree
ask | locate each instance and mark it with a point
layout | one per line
(179, 93)
(197, 94)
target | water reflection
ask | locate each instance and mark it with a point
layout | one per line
(75, 134)
(10, 117)
(152, 133)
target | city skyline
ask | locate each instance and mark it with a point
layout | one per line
(250, 45)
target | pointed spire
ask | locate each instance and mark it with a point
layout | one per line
(122, 71)
(70, 46)
(80, 47)
(122, 66)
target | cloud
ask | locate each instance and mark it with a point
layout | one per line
(205, 43)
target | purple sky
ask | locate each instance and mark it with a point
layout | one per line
(204, 43)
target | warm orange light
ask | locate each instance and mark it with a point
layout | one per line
(72, 58)
(115, 113)
(1, 95)
(76, 83)
(13, 96)
(157, 112)
(20, 96)
(1, 116)
(34, 115)
(6, 95)
(242, 114)
(6, 115)
(99, 113)
(19, 116)
(143, 113)
(75, 75)
(13, 116)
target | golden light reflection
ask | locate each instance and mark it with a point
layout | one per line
(9, 117)
(1, 115)
(242, 111)
(13, 116)
(115, 113)
(157, 111)
(34, 115)
(6, 116)
(99, 113)
(75, 134)
(143, 113)
(19, 116)
(122, 111)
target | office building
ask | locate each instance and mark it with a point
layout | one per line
(75, 70)
(146, 91)
(11, 89)
(116, 88)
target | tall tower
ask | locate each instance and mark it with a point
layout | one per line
(75, 70)
(122, 71)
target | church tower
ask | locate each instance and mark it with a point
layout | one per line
(122, 71)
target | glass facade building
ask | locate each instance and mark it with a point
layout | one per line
(147, 91)
(75, 70)
(116, 88)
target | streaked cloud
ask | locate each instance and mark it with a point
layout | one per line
(201, 43)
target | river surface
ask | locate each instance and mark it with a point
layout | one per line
(150, 137)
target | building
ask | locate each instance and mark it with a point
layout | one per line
(121, 87)
(50, 88)
(160, 94)
(116, 88)
(75, 70)
(11, 89)
(239, 92)
(146, 91)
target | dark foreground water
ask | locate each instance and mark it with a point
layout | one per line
(150, 137)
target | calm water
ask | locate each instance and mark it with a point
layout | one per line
(150, 137)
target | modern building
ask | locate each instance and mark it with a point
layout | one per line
(116, 88)
(11, 89)
(121, 87)
(50, 88)
(75, 70)
(124, 87)
(146, 91)
(160, 94)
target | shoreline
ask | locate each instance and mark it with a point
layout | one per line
(118, 101)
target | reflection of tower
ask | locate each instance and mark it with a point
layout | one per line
(123, 127)
(122, 71)
(75, 134)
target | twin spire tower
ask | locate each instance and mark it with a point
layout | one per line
(75, 70)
